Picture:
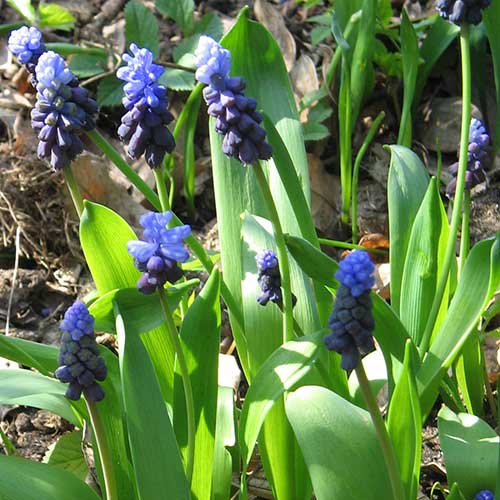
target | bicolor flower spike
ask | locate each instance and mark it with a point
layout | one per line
(63, 110)
(351, 322)
(479, 141)
(158, 253)
(144, 125)
(80, 364)
(462, 11)
(26, 44)
(235, 114)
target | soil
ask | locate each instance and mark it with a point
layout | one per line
(51, 271)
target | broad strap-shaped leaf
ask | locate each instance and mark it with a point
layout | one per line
(158, 469)
(470, 448)
(66, 453)
(200, 340)
(478, 282)
(405, 425)
(339, 444)
(21, 478)
(406, 188)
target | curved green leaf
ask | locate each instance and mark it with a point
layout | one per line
(66, 453)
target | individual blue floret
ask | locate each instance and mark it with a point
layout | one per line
(159, 252)
(144, 125)
(80, 364)
(235, 114)
(63, 110)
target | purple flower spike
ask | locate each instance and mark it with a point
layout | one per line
(26, 44)
(158, 254)
(80, 364)
(63, 110)
(235, 114)
(143, 126)
(462, 11)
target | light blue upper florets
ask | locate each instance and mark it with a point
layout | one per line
(211, 59)
(77, 321)
(24, 42)
(51, 71)
(356, 272)
(478, 140)
(266, 259)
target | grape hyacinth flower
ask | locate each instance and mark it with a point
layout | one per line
(26, 44)
(79, 362)
(143, 126)
(235, 114)
(477, 151)
(63, 110)
(462, 11)
(484, 495)
(159, 252)
(351, 322)
(269, 279)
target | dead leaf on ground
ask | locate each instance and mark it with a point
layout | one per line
(304, 80)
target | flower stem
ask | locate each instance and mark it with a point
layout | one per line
(465, 234)
(112, 154)
(161, 187)
(74, 190)
(459, 193)
(104, 454)
(186, 381)
(282, 253)
(383, 435)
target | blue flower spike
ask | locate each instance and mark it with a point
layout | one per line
(477, 153)
(462, 11)
(144, 125)
(26, 44)
(235, 114)
(351, 322)
(63, 110)
(269, 279)
(484, 495)
(158, 253)
(80, 364)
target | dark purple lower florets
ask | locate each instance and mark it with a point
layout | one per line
(351, 324)
(237, 119)
(462, 11)
(157, 271)
(269, 280)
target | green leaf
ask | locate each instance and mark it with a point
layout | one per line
(181, 11)
(23, 387)
(406, 188)
(28, 353)
(29, 480)
(66, 453)
(24, 8)
(200, 340)
(110, 91)
(337, 439)
(85, 66)
(478, 282)
(177, 79)
(455, 493)
(405, 425)
(282, 370)
(470, 448)
(55, 16)
(314, 131)
(141, 27)
(158, 469)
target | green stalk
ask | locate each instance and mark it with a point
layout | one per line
(357, 163)
(69, 49)
(161, 187)
(345, 112)
(349, 246)
(74, 190)
(186, 382)
(282, 253)
(465, 235)
(104, 454)
(113, 155)
(459, 193)
(383, 435)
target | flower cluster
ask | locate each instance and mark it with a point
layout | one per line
(79, 362)
(462, 11)
(62, 111)
(26, 44)
(143, 126)
(158, 254)
(484, 495)
(235, 114)
(477, 151)
(269, 279)
(351, 322)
